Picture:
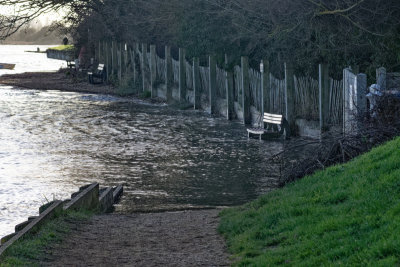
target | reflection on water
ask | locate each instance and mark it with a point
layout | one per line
(54, 142)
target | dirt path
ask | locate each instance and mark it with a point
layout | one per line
(184, 238)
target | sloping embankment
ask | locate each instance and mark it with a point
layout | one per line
(347, 214)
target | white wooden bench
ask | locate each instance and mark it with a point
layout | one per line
(274, 125)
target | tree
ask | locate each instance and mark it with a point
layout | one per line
(18, 13)
(306, 32)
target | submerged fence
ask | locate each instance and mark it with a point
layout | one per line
(242, 93)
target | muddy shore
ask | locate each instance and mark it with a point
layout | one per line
(63, 80)
(184, 238)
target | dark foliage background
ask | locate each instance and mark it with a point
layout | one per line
(342, 33)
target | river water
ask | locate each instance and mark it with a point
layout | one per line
(52, 142)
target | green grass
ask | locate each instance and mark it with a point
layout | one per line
(346, 215)
(63, 48)
(31, 250)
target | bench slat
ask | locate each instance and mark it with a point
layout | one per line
(272, 115)
(273, 122)
(273, 119)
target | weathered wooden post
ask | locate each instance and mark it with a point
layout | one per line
(362, 85)
(381, 78)
(115, 57)
(196, 83)
(132, 55)
(107, 54)
(246, 90)
(354, 100)
(265, 91)
(213, 84)
(168, 73)
(119, 53)
(182, 75)
(324, 86)
(230, 98)
(143, 67)
(102, 55)
(112, 58)
(230, 113)
(289, 95)
(348, 85)
(137, 49)
(153, 70)
(126, 60)
(99, 53)
(137, 73)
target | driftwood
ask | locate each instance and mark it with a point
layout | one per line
(304, 158)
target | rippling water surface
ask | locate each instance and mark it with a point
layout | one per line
(53, 142)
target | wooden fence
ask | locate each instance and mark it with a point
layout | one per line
(232, 94)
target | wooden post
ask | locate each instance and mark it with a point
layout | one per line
(196, 83)
(347, 81)
(139, 65)
(323, 97)
(246, 90)
(265, 90)
(112, 58)
(107, 50)
(230, 98)
(120, 64)
(230, 113)
(168, 73)
(354, 100)
(153, 70)
(99, 53)
(182, 75)
(133, 63)
(381, 78)
(213, 84)
(361, 95)
(115, 58)
(126, 60)
(143, 67)
(289, 95)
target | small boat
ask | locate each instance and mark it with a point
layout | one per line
(7, 66)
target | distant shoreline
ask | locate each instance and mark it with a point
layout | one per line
(28, 43)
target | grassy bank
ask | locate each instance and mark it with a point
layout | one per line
(31, 250)
(346, 215)
(67, 48)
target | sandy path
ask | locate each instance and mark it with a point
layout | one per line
(184, 238)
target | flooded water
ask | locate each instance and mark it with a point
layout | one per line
(52, 142)
(27, 62)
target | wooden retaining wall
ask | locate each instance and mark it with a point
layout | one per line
(87, 198)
